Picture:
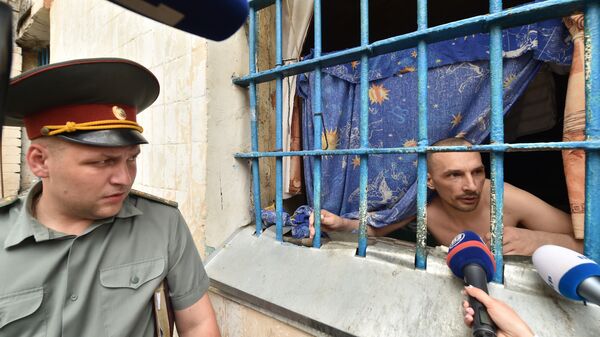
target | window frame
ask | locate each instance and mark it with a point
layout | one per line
(497, 19)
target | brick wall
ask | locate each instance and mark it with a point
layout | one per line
(11, 136)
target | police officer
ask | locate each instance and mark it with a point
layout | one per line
(80, 254)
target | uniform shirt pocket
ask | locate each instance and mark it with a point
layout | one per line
(132, 275)
(16, 313)
(126, 294)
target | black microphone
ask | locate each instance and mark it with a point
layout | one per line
(212, 19)
(471, 260)
(5, 55)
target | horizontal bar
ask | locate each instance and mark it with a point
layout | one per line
(260, 4)
(523, 147)
(508, 18)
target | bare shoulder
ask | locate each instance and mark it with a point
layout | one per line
(435, 213)
(517, 197)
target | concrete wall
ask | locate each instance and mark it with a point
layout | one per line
(238, 319)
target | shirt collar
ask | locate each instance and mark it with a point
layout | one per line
(25, 225)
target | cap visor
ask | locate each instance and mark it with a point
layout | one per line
(108, 138)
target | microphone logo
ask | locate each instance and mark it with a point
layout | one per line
(457, 239)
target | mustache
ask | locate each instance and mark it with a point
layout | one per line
(468, 195)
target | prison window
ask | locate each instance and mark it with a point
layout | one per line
(366, 40)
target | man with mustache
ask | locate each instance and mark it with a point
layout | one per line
(462, 202)
(81, 254)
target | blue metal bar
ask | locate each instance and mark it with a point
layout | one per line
(317, 124)
(592, 100)
(253, 123)
(508, 18)
(278, 127)
(421, 250)
(523, 147)
(496, 137)
(364, 129)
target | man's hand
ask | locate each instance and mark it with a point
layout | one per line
(331, 223)
(507, 320)
(518, 241)
(574, 24)
(522, 241)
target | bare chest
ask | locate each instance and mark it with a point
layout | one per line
(444, 228)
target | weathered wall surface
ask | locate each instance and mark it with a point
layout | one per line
(238, 320)
(11, 136)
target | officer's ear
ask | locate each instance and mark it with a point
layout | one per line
(37, 159)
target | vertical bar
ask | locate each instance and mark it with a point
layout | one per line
(253, 124)
(592, 110)
(364, 128)
(421, 252)
(497, 137)
(317, 115)
(278, 126)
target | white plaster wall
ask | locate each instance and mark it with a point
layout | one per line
(197, 123)
(229, 182)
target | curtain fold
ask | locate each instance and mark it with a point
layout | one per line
(458, 106)
(296, 17)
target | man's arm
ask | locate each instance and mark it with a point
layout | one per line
(197, 320)
(545, 224)
(334, 223)
(521, 241)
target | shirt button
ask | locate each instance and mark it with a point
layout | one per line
(74, 297)
(135, 280)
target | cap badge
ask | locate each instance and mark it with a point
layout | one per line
(119, 112)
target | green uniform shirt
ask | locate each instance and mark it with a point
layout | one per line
(100, 283)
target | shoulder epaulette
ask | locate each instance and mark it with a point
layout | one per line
(8, 201)
(154, 198)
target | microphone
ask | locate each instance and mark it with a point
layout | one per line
(212, 19)
(471, 260)
(6, 43)
(569, 273)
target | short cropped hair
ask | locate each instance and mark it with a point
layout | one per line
(451, 141)
(54, 144)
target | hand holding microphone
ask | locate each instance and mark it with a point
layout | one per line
(471, 260)
(506, 319)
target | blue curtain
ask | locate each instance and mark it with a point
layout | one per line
(458, 103)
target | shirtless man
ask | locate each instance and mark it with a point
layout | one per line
(463, 203)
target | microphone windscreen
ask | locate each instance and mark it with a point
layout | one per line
(564, 269)
(212, 19)
(466, 248)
